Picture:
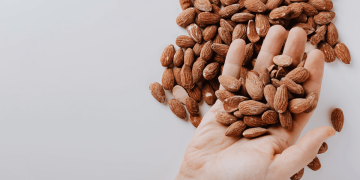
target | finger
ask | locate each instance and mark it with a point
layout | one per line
(271, 47)
(295, 45)
(315, 66)
(296, 157)
(234, 58)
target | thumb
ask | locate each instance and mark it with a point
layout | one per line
(296, 157)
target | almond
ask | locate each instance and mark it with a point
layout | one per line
(230, 83)
(275, 82)
(292, 86)
(185, 41)
(282, 60)
(286, 120)
(206, 52)
(276, 21)
(295, 11)
(271, 68)
(177, 108)
(242, 17)
(254, 132)
(249, 52)
(281, 99)
(198, 69)
(208, 94)
(195, 120)
(270, 117)
(235, 129)
(211, 71)
(232, 23)
(208, 18)
(280, 73)
(228, 11)
(337, 119)
(185, 4)
(314, 98)
(272, 4)
(319, 35)
(217, 39)
(254, 86)
(177, 75)
(186, 77)
(332, 35)
(280, 12)
(223, 94)
(220, 49)
(251, 32)
(210, 32)
(273, 73)
(167, 56)
(323, 148)
(324, 17)
(215, 9)
(238, 114)
(328, 51)
(180, 94)
(269, 93)
(298, 75)
(299, 105)
(225, 24)
(343, 53)
(264, 75)
(255, 6)
(231, 104)
(157, 92)
(215, 84)
(307, 28)
(225, 35)
(195, 93)
(315, 164)
(298, 175)
(225, 118)
(302, 18)
(203, 5)
(192, 106)
(262, 25)
(219, 59)
(179, 58)
(216, 2)
(254, 121)
(168, 79)
(311, 22)
(197, 19)
(321, 5)
(186, 17)
(309, 10)
(197, 48)
(195, 32)
(229, 2)
(252, 107)
(189, 57)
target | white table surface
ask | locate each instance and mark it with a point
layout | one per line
(74, 98)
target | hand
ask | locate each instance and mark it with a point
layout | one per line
(212, 155)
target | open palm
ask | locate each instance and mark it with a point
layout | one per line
(212, 155)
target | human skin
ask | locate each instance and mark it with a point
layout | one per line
(211, 155)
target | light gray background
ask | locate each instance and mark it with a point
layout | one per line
(74, 98)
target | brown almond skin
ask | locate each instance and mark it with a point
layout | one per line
(286, 120)
(298, 175)
(194, 31)
(195, 93)
(328, 51)
(195, 120)
(225, 118)
(167, 56)
(249, 52)
(225, 35)
(264, 75)
(208, 18)
(235, 129)
(270, 117)
(197, 48)
(282, 60)
(262, 25)
(323, 148)
(238, 114)
(254, 86)
(177, 108)
(280, 12)
(299, 105)
(242, 17)
(255, 6)
(206, 51)
(203, 5)
(184, 41)
(157, 92)
(332, 35)
(228, 11)
(337, 119)
(186, 17)
(292, 86)
(319, 35)
(210, 32)
(231, 104)
(186, 4)
(324, 17)
(197, 70)
(254, 132)
(208, 94)
(223, 94)
(189, 57)
(168, 79)
(309, 10)
(252, 107)
(177, 75)
(275, 82)
(215, 84)
(315, 164)
(314, 98)
(343, 53)
(272, 4)
(192, 106)
(298, 75)
(251, 33)
(321, 5)
(281, 99)
(230, 83)
(179, 58)
(211, 71)
(186, 77)
(269, 93)
(225, 24)
(254, 121)
(220, 49)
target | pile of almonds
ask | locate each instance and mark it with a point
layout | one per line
(258, 99)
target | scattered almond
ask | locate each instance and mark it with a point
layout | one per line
(254, 132)
(337, 119)
(157, 92)
(235, 129)
(177, 108)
